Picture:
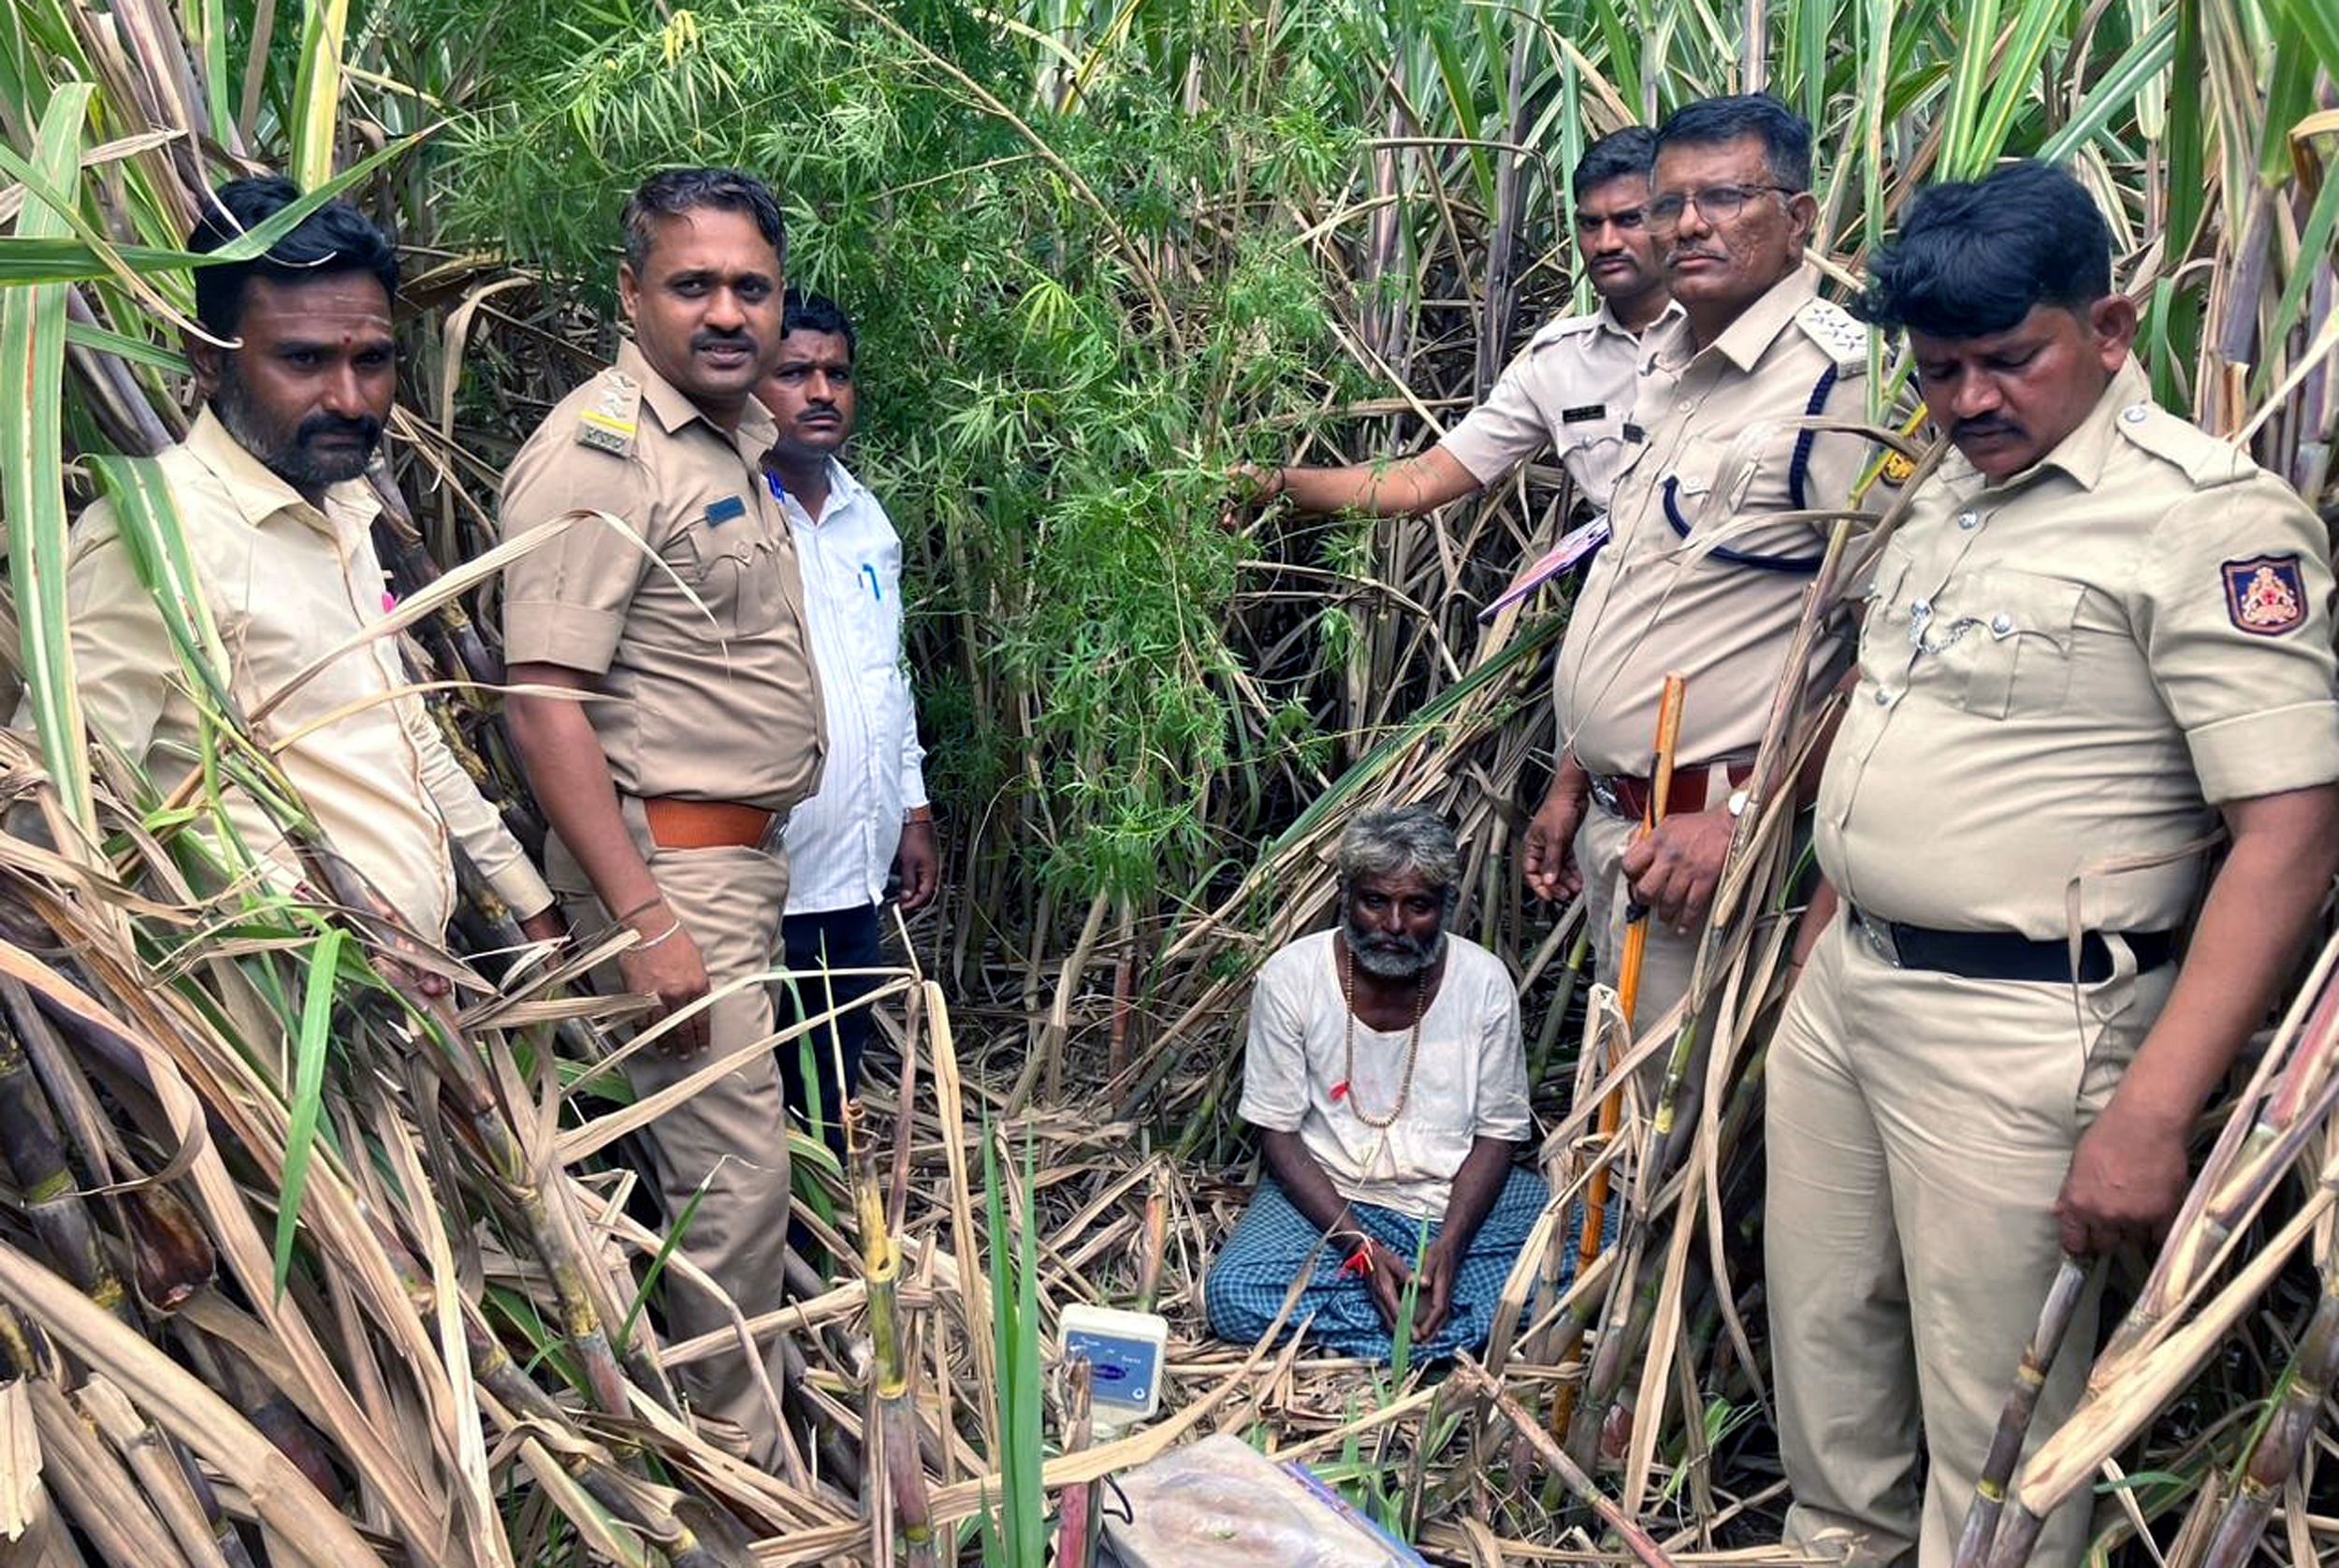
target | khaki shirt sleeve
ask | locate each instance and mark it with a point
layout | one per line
(1504, 431)
(2258, 706)
(564, 602)
(470, 820)
(123, 655)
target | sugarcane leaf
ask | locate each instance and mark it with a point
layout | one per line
(317, 90)
(82, 334)
(2116, 88)
(675, 1233)
(32, 466)
(307, 1095)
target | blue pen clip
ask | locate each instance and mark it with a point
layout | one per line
(875, 593)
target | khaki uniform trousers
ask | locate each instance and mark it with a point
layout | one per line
(731, 1135)
(1666, 964)
(1920, 1126)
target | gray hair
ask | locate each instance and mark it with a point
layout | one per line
(1390, 839)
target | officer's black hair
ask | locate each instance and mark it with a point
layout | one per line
(816, 312)
(672, 191)
(334, 239)
(1624, 154)
(1786, 135)
(1974, 257)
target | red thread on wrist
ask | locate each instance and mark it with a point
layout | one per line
(1360, 1262)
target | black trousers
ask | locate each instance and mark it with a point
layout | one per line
(829, 940)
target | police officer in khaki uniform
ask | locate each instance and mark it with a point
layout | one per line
(701, 723)
(1569, 390)
(2101, 634)
(1698, 577)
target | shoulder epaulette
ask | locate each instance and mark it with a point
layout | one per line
(2203, 459)
(608, 421)
(1565, 326)
(1841, 337)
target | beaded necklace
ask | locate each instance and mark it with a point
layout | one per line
(1413, 1044)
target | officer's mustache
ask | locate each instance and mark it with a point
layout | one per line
(712, 337)
(1675, 257)
(365, 430)
(1983, 426)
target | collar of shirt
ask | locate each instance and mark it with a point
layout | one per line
(675, 410)
(1745, 340)
(258, 493)
(2080, 455)
(1611, 323)
(844, 490)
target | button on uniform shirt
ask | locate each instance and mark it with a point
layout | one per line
(1469, 1083)
(696, 629)
(287, 583)
(1697, 576)
(1570, 390)
(2070, 670)
(841, 841)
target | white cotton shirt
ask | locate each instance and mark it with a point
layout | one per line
(1469, 1083)
(841, 842)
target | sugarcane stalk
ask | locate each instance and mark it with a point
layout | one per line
(1618, 1350)
(1077, 1522)
(891, 1394)
(92, 1485)
(156, 1467)
(2022, 1404)
(34, 1151)
(1636, 1540)
(2273, 1458)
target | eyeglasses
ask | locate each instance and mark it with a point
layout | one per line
(1719, 203)
(1627, 221)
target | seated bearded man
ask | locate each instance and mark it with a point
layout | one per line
(1387, 1078)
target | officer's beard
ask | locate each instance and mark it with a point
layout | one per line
(1387, 957)
(289, 453)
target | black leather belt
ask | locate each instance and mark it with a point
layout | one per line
(2004, 955)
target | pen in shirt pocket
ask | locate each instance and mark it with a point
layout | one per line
(875, 593)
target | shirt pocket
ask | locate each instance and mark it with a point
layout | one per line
(734, 574)
(1718, 494)
(2019, 629)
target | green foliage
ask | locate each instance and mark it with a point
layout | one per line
(1059, 445)
(1015, 1535)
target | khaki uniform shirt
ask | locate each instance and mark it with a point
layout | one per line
(1697, 577)
(2072, 669)
(287, 583)
(696, 627)
(1570, 390)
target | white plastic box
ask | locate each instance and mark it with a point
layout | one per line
(1124, 1351)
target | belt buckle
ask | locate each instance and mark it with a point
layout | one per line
(1878, 936)
(1604, 790)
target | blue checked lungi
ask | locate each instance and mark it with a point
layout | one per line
(1245, 1288)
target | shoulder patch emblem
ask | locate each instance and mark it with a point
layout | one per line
(1834, 328)
(1896, 470)
(2265, 595)
(610, 422)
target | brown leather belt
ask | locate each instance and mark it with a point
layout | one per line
(706, 825)
(1691, 790)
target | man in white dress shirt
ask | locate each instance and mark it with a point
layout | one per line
(870, 813)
